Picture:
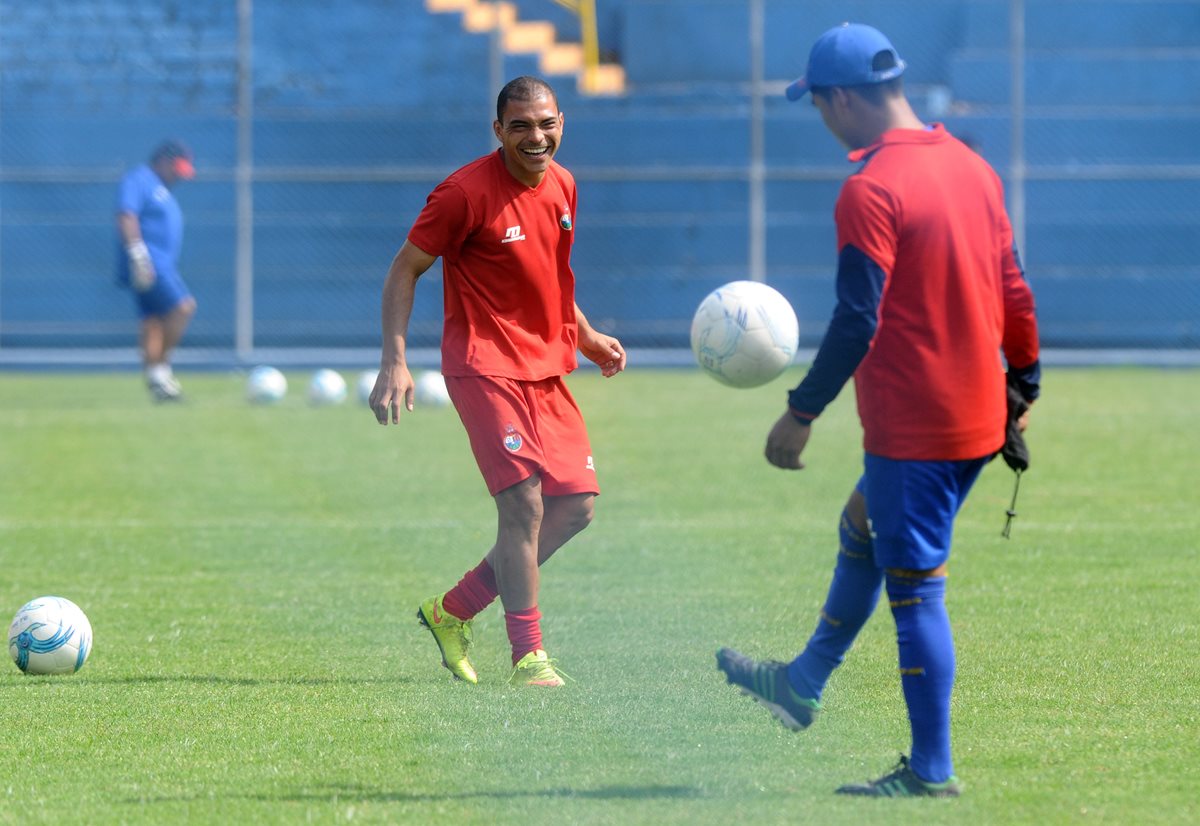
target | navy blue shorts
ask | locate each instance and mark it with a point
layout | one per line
(912, 504)
(167, 293)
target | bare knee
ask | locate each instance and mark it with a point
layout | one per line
(520, 508)
(856, 512)
(184, 310)
(580, 512)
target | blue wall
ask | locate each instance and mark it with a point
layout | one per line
(383, 99)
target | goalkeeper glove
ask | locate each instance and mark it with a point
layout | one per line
(141, 268)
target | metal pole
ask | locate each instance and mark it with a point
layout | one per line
(758, 169)
(1017, 171)
(495, 75)
(244, 186)
(586, 9)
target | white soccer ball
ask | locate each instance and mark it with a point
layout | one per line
(366, 383)
(50, 635)
(265, 385)
(327, 388)
(430, 389)
(744, 334)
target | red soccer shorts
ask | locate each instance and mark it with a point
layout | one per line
(519, 428)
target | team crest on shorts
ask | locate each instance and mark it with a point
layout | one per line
(565, 220)
(512, 439)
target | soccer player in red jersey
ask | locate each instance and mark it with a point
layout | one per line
(503, 227)
(930, 293)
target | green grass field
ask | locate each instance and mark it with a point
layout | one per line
(252, 575)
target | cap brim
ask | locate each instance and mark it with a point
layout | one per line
(185, 169)
(797, 89)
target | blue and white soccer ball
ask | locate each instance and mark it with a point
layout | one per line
(326, 388)
(265, 385)
(744, 334)
(429, 389)
(50, 635)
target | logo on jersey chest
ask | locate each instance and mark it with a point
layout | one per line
(512, 234)
(564, 220)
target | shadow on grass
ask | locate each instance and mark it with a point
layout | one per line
(340, 794)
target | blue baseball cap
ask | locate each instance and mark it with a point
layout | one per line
(845, 56)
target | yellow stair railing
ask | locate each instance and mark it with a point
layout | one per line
(539, 37)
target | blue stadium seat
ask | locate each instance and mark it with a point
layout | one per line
(1081, 78)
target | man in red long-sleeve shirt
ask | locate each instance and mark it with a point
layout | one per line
(930, 293)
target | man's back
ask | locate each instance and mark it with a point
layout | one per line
(930, 213)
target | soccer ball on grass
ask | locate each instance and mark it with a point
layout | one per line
(326, 388)
(50, 635)
(265, 385)
(744, 334)
(429, 389)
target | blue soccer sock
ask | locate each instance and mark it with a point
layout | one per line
(853, 594)
(926, 649)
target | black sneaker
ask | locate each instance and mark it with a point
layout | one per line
(767, 682)
(903, 782)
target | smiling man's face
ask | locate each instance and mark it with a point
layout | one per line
(530, 133)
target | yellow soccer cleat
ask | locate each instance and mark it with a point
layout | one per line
(536, 668)
(452, 635)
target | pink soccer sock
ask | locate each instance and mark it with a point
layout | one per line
(474, 592)
(524, 631)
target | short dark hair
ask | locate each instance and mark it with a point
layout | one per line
(524, 88)
(873, 93)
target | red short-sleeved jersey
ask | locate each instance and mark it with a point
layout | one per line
(507, 281)
(930, 212)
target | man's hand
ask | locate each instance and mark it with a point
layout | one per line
(786, 442)
(604, 350)
(1023, 420)
(141, 268)
(393, 387)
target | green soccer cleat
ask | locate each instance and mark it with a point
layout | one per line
(452, 635)
(767, 682)
(903, 782)
(536, 668)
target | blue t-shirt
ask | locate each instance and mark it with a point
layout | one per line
(143, 194)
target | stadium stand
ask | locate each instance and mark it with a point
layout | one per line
(360, 107)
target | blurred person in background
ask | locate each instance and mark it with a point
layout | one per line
(503, 227)
(150, 235)
(930, 292)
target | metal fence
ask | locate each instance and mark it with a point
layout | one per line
(319, 128)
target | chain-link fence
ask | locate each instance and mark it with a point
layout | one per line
(319, 129)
